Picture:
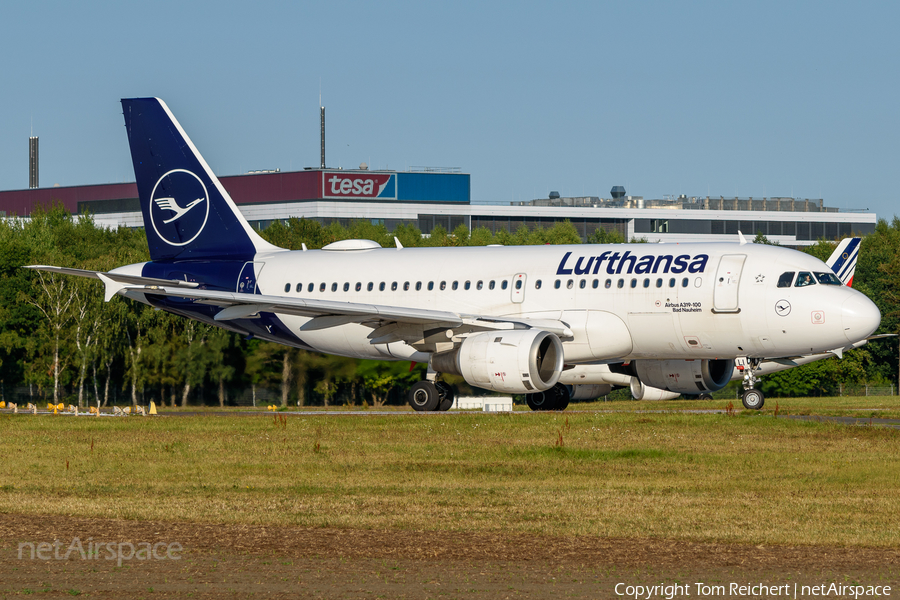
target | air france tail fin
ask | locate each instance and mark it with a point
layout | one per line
(187, 212)
(843, 260)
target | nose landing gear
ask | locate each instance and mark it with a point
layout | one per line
(751, 398)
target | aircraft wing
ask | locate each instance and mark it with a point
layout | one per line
(324, 313)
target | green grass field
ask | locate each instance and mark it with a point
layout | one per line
(614, 471)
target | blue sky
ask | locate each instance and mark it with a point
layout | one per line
(754, 99)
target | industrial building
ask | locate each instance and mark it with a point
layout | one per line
(427, 198)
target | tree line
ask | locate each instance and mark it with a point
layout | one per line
(60, 342)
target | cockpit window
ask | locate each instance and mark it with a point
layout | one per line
(828, 279)
(804, 279)
(786, 279)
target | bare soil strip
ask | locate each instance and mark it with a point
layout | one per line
(271, 562)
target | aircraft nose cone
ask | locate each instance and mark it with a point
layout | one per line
(860, 317)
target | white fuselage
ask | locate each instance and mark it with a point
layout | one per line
(726, 309)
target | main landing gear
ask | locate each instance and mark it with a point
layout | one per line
(752, 398)
(426, 396)
(556, 398)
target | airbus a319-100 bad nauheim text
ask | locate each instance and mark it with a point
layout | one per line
(550, 322)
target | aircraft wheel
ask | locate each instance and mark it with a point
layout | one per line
(562, 396)
(706, 397)
(540, 400)
(753, 399)
(445, 392)
(423, 396)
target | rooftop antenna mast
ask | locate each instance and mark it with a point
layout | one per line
(322, 125)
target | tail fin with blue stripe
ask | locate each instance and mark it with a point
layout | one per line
(843, 260)
(187, 212)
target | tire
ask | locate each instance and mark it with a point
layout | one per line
(562, 397)
(753, 399)
(424, 397)
(541, 400)
(705, 397)
(446, 395)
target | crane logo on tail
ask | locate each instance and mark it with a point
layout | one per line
(172, 207)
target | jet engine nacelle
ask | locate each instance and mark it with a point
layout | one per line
(684, 376)
(639, 391)
(588, 391)
(513, 362)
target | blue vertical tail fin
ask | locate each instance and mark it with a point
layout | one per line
(187, 212)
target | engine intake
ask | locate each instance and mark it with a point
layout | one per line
(685, 376)
(513, 362)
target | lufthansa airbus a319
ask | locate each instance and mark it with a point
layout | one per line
(550, 322)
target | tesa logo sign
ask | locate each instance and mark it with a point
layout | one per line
(359, 185)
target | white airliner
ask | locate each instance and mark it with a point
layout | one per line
(534, 320)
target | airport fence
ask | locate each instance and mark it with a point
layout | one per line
(867, 390)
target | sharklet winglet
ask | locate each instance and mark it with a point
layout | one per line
(111, 287)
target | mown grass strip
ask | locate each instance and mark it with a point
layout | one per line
(749, 478)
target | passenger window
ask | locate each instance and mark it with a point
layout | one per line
(321, 287)
(334, 287)
(504, 284)
(786, 278)
(537, 284)
(491, 285)
(582, 283)
(467, 285)
(418, 286)
(443, 285)
(381, 287)
(698, 282)
(406, 286)
(311, 287)
(828, 279)
(370, 286)
(633, 282)
(299, 287)
(659, 282)
(430, 285)
(287, 287)
(479, 285)
(519, 284)
(346, 286)
(804, 279)
(646, 282)
(570, 284)
(455, 285)
(358, 286)
(556, 284)
(394, 286)
(596, 284)
(608, 284)
(620, 284)
(684, 282)
(671, 282)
